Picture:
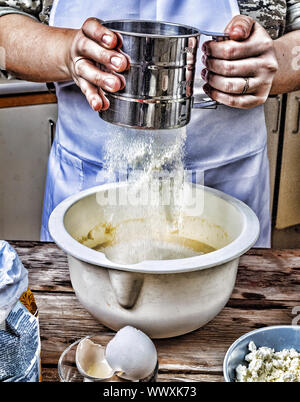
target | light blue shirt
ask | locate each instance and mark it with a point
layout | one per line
(215, 138)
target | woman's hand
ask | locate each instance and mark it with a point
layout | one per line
(94, 44)
(240, 72)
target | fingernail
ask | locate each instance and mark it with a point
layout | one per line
(204, 74)
(110, 83)
(94, 104)
(206, 88)
(239, 31)
(116, 61)
(204, 58)
(107, 39)
(206, 50)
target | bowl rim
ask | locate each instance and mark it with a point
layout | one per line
(249, 334)
(233, 250)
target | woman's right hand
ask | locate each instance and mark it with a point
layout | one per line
(94, 44)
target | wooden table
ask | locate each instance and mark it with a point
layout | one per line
(267, 292)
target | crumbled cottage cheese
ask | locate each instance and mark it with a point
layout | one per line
(266, 365)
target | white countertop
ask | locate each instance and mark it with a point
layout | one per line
(14, 86)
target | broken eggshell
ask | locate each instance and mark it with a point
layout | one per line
(91, 362)
(132, 353)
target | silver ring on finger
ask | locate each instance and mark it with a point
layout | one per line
(246, 87)
(77, 59)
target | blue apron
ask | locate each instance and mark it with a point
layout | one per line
(228, 144)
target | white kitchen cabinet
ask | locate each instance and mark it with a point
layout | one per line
(288, 211)
(25, 141)
(273, 111)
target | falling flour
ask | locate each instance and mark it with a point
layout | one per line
(152, 163)
(136, 251)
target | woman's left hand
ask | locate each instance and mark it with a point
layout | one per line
(239, 72)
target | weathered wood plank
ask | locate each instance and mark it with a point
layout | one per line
(266, 291)
(47, 266)
(269, 275)
(50, 375)
(263, 274)
(63, 321)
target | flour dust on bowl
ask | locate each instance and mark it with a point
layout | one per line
(193, 268)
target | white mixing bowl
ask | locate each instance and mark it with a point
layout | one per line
(163, 298)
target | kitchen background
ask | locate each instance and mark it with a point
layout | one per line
(28, 113)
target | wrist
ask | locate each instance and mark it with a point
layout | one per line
(65, 55)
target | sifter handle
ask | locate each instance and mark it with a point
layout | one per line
(210, 104)
(217, 36)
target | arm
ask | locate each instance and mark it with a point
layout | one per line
(37, 52)
(34, 51)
